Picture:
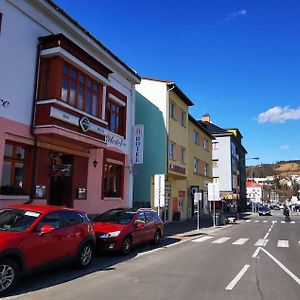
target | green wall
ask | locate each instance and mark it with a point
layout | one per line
(155, 149)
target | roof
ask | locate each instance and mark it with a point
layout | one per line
(252, 184)
(214, 129)
(87, 33)
(174, 88)
(200, 126)
(40, 208)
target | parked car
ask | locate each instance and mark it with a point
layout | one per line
(296, 207)
(264, 211)
(39, 236)
(274, 207)
(120, 229)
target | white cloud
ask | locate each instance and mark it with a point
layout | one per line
(279, 114)
(284, 147)
(235, 14)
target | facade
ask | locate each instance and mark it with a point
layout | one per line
(199, 164)
(67, 112)
(155, 151)
(254, 192)
(229, 169)
(173, 104)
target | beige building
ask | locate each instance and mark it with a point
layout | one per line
(199, 163)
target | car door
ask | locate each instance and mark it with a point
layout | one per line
(40, 249)
(139, 232)
(150, 226)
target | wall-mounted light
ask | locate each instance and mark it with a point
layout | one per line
(95, 162)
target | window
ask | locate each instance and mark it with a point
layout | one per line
(196, 166)
(52, 219)
(171, 151)
(14, 169)
(70, 218)
(149, 216)
(205, 144)
(183, 118)
(182, 155)
(215, 163)
(196, 137)
(80, 91)
(141, 217)
(205, 169)
(112, 180)
(115, 115)
(172, 109)
(215, 145)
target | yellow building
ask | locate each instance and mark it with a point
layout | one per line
(199, 163)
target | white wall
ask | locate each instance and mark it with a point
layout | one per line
(223, 155)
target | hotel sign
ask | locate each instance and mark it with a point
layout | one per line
(138, 144)
(176, 169)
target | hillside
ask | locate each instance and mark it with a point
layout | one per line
(281, 169)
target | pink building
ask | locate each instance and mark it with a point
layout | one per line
(66, 112)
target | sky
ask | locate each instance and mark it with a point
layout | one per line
(238, 61)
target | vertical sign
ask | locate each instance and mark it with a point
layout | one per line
(159, 190)
(138, 144)
(213, 192)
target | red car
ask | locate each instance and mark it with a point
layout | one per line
(37, 236)
(120, 229)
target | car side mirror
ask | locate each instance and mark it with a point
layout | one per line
(46, 229)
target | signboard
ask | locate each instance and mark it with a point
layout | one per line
(213, 192)
(197, 197)
(159, 190)
(138, 144)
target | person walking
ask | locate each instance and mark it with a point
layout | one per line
(286, 212)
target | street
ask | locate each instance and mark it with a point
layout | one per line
(257, 258)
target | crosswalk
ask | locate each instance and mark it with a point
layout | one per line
(271, 221)
(243, 241)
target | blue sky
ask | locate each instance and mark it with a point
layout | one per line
(238, 61)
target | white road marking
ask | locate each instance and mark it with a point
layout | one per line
(265, 221)
(283, 244)
(256, 252)
(202, 239)
(256, 221)
(270, 229)
(293, 222)
(235, 280)
(221, 240)
(282, 266)
(247, 221)
(241, 241)
(266, 235)
(282, 222)
(261, 242)
(274, 222)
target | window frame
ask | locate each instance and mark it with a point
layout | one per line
(205, 144)
(196, 137)
(182, 155)
(171, 150)
(119, 115)
(196, 165)
(172, 109)
(183, 118)
(14, 160)
(116, 177)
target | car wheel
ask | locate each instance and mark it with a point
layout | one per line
(126, 246)
(9, 275)
(156, 238)
(85, 255)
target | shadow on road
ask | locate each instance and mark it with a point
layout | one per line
(65, 273)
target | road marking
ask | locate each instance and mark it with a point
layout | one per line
(270, 229)
(265, 221)
(247, 221)
(256, 252)
(293, 222)
(261, 242)
(274, 222)
(283, 244)
(256, 221)
(202, 239)
(235, 280)
(241, 241)
(282, 222)
(221, 240)
(266, 235)
(282, 266)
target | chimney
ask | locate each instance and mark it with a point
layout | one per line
(206, 118)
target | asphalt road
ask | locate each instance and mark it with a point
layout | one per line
(258, 258)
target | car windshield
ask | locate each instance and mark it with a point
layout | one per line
(17, 219)
(116, 216)
(264, 208)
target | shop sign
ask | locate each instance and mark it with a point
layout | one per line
(177, 169)
(84, 124)
(4, 103)
(115, 141)
(138, 144)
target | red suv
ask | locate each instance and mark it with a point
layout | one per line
(37, 236)
(122, 228)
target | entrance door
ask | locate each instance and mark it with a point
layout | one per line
(61, 181)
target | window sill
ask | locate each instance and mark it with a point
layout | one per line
(14, 197)
(112, 198)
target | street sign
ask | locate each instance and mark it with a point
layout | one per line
(213, 192)
(197, 197)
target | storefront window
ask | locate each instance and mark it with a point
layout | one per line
(112, 180)
(13, 170)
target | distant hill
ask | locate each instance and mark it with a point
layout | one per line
(280, 168)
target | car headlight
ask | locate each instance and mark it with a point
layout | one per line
(109, 235)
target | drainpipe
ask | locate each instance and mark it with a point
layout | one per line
(33, 110)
